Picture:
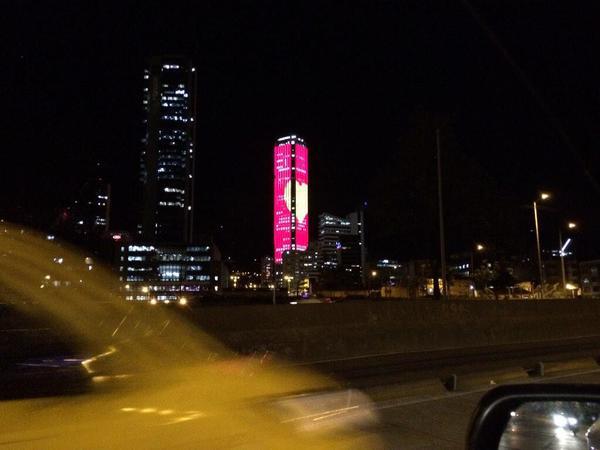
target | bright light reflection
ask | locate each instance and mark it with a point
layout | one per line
(559, 420)
(237, 394)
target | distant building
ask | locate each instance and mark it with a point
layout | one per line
(168, 273)
(590, 278)
(89, 214)
(387, 272)
(553, 272)
(300, 270)
(341, 244)
(330, 229)
(168, 154)
(349, 260)
(357, 227)
(267, 271)
(290, 203)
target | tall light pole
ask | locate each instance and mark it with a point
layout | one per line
(543, 196)
(441, 214)
(479, 248)
(562, 248)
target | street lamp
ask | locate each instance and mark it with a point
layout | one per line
(477, 248)
(561, 252)
(543, 196)
(289, 279)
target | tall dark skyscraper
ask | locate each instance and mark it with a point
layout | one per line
(169, 144)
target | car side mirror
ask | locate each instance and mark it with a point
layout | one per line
(537, 416)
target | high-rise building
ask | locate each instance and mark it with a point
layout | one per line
(330, 229)
(167, 159)
(290, 224)
(341, 244)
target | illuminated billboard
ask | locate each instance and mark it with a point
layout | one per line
(290, 202)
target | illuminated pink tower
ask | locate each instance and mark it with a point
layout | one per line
(290, 202)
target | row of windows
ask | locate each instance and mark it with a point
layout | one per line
(169, 176)
(139, 269)
(175, 118)
(166, 156)
(176, 204)
(178, 97)
(180, 105)
(180, 257)
(174, 190)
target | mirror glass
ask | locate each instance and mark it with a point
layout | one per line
(553, 425)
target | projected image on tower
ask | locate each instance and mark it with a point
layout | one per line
(282, 212)
(301, 197)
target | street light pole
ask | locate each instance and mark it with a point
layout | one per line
(539, 250)
(441, 214)
(562, 260)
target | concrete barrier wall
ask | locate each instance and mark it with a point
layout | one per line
(328, 331)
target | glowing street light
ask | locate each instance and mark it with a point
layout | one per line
(183, 301)
(374, 273)
(480, 248)
(543, 196)
(561, 252)
(289, 279)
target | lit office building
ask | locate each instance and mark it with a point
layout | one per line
(167, 273)
(267, 271)
(341, 244)
(330, 229)
(290, 227)
(167, 159)
(300, 270)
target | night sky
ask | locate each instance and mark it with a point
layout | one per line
(355, 79)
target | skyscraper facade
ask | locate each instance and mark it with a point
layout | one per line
(341, 245)
(330, 229)
(290, 224)
(167, 159)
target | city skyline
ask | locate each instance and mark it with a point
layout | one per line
(354, 100)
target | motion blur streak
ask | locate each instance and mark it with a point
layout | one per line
(182, 388)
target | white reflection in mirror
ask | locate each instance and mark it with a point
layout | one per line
(553, 425)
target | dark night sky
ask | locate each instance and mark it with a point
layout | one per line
(348, 76)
